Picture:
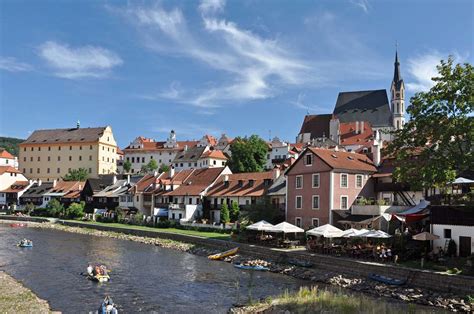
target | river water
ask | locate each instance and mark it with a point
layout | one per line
(143, 277)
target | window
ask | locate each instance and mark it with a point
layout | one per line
(298, 221)
(39, 149)
(315, 201)
(143, 159)
(49, 148)
(59, 170)
(38, 170)
(315, 222)
(133, 159)
(32, 148)
(343, 180)
(316, 180)
(90, 157)
(190, 200)
(90, 147)
(49, 158)
(59, 158)
(70, 147)
(359, 181)
(31, 170)
(103, 147)
(299, 182)
(59, 147)
(344, 202)
(47, 170)
(39, 159)
(70, 158)
(31, 158)
(24, 149)
(308, 160)
(24, 158)
(80, 158)
(80, 147)
(447, 233)
(299, 202)
(90, 170)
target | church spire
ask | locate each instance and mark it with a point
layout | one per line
(397, 77)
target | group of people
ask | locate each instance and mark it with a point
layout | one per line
(26, 242)
(100, 270)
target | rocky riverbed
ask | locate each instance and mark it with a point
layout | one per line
(426, 297)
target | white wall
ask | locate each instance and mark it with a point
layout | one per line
(456, 232)
(7, 179)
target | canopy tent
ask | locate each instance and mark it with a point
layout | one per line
(285, 228)
(350, 233)
(462, 180)
(379, 234)
(327, 231)
(262, 225)
(421, 206)
(425, 236)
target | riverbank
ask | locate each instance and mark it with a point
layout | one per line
(15, 298)
(448, 301)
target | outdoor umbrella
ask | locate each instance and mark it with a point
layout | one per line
(262, 225)
(285, 228)
(327, 231)
(462, 180)
(374, 234)
(350, 233)
(425, 236)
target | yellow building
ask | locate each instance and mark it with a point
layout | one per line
(50, 154)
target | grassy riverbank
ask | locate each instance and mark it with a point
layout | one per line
(15, 298)
(203, 234)
(314, 300)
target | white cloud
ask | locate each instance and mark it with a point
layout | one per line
(301, 103)
(363, 4)
(211, 6)
(80, 62)
(191, 130)
(12, 65)
(422, 69)
(255, 66)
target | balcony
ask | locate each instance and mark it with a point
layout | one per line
(391, 187)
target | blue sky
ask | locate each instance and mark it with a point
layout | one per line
(239, 67)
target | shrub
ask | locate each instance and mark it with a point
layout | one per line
(75, 210)
(225, 216)
(54, 208)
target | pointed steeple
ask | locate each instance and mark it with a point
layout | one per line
(397, 77)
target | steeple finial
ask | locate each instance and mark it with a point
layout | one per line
(397, 78)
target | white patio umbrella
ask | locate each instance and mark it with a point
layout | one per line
(285, 228)
(262, 225)
(462, 180)
(350, 233)
(374, 234)
(327, 231)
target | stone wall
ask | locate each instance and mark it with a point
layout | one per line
(419, 278)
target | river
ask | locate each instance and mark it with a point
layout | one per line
(143, 278)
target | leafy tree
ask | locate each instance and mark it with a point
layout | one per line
(248, 154)
(29, 207)
(54, 208)
(164, 168)
(127, 166)
(76, 175)
(152, 165)
(225, 217)
(436, 143)
(234, 211)
(75, 210)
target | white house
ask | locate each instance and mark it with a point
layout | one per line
(7, 159)
(9, 175)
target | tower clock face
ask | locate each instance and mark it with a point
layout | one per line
(398, 94)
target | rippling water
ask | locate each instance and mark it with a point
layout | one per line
(143, 278)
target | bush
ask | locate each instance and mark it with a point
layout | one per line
(54, 208)
(75, 210)
(225, 216)
(100, 218)
(381, 202)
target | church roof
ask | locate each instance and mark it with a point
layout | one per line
(371, 106)
(397, 77)
(317, 125)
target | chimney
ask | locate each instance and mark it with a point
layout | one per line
(376, 154)
(185, 147)
(40, 182)
(128, 179)
(54, 183)
(357, 127)
(361, 127)
(171, 171)
(114, 179)
(226, 178)
(276, 172)
(155, 173)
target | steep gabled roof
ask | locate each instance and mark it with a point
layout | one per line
(242, 184)
(5, 154)
(317, 125)
(371, 105)
(8, 169)
(65, 135)
(216, 154)
(197, 182)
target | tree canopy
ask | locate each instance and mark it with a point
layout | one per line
(248, 154)
(150, 166)
(79, 174)
(435, 145)
(127, 165)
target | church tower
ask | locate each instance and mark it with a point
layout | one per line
(398, 96)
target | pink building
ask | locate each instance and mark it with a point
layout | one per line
(322, 180)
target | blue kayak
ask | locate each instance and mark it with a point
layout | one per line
(25, 244)
(249, 267)
(387, 280)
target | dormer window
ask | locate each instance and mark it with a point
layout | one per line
(251, 182)
(241, 183)
(309, 160)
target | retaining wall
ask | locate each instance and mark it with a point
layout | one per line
(463, 285)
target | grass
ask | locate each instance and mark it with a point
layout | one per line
(202, 234)
(313, 300)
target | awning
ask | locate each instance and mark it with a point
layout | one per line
(285, 228)
(160, 212)
(327, 231)
(262, 225)
(425, 236)
(350, 233)
(422, 205)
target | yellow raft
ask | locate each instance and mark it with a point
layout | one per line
(223, 254)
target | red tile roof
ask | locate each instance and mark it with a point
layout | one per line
(239, 184)
(9, 169)
(71, 189)
(344, 160)
(197, 182)
(18, 186)
(119, 151)
(144, 183)
(150, 145)
(211, 140)
(216, 154)
(349, 137)
(5, 154)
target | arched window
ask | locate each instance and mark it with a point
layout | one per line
(398, 108)
(398, 124)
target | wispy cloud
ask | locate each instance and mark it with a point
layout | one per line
(254, 66)
(422, 68)
(192, 130)
(301, 103)
(79, 62)
(363, 4)
(11, 64)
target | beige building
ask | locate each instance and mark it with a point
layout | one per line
(50, 154)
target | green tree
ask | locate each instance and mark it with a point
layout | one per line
(152, 165)
(54, 208)
(436, 143)
(164, 168)
(234, 211)
(248, 154)
(127, 166)
(75, 210)
(76, 175)
(225, 217)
